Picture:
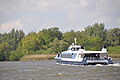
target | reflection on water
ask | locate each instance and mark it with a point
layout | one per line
(49, 70)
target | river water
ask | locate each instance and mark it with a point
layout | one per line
(49, 70)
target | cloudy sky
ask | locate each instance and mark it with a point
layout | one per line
(35, 15)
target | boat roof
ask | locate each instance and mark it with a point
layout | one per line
(85, 52)
(94, 52)
(82, 50)
(71, 46)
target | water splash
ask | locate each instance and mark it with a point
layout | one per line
(60, 74)
(115, 64)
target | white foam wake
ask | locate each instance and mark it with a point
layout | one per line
(115, 64)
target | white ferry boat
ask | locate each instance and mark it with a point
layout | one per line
(77, 55)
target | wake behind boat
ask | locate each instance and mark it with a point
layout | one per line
(77, 55)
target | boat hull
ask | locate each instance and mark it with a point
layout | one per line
(71, 62)
(87, 62)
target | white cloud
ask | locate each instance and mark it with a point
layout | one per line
(118, 21)
(107, 19)
(84, 3)
(45, 13)
(42, 4)
(6, 27)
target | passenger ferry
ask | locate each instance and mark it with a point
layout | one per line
(77, 55)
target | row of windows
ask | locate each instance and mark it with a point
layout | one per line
(90, 56)
(68, 55)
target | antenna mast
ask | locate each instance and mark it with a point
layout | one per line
(75, 39)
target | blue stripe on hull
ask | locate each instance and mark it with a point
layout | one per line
(71, 62)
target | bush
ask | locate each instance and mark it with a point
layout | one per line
(114, 50)
(43, 51)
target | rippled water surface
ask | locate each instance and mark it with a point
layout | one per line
(49, 70)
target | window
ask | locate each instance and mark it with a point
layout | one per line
(75, 49)
(68, 55)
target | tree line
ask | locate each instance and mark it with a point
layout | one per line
(15, 44)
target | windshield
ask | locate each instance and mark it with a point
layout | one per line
(75, 48)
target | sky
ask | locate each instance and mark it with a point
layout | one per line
(35, 15)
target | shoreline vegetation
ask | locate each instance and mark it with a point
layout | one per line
(115, 56)
(40, 57)
(16, 45)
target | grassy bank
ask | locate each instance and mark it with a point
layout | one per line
(114, 52)
(115, 56)
(37, 57)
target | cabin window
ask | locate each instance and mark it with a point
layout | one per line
(103, 56)
(75, 49)
(74, 55)
(82, 55)
(68, 55)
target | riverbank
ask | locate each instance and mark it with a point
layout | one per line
(115, 56)
(39, 57)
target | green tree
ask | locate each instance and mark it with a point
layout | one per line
(4, 51)
(69, 37)
(97, 30)
(12, 38)
(58, 45)
(15, 44)
(113, 37)
(50, 34)
(89, 42)
(9, 42)
(28, 45)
